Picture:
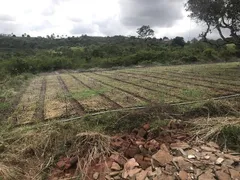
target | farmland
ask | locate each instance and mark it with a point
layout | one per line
(70, 93)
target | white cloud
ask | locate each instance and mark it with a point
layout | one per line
(95, 17)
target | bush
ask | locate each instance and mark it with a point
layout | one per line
(209, 53)
(189, 59)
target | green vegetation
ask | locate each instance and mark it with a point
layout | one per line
(33, 55)
(87, 93)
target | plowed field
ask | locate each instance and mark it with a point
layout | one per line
(59, 95)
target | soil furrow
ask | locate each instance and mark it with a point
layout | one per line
(113, 103)
(147, 80)
(39, 111)
(77, 106)
(120, 89)
(188, 83)
(143, 87)
(213, 74)
(199, 78)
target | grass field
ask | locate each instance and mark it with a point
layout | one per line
(68, 93)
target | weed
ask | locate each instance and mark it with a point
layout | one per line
(192, 93)
(87, 94)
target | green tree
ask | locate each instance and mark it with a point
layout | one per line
(221, 15)
(178, 41)
(145, 32)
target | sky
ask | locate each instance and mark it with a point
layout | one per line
(96, 17)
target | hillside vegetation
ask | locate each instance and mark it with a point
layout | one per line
(32, 55)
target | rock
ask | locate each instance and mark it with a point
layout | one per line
(96, 175)
(61, 164)
(207, 157)
(142, 175)
(164, 177)
(115, 167)
(222, 175)
(234, 158)
(190, 156)
(179, 145)
(158, 172)
(119, 159)
(114, 173)
(164, 148)
(132, 151)
(235, 175)
(162, 157)
(182, 164)
(170, 168)
(213, 144)
(206, 176)
(143, 150)
(152, 146)
(117, 178)
(146, 127)
(116, 142)
(150, 172)
(130, 165)
(183, 175)
(145, 164)
(219, 161)
(140, 143)
(142, 132)
(227, 162)
(133, 172)
(208, 149)
(107, 177)
(138, 157)
(198, 172)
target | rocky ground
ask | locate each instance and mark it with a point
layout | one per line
(158, 154)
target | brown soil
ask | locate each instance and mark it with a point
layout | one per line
(39, 111)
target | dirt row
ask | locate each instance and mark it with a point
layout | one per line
(77, 106)
(121, 89)
(192, 76)
(39, 111)
(111, 102)
(180, 79)
(143, 87)
(28, 103)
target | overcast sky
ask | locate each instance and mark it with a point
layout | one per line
(96, 17)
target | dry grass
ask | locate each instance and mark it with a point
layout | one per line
(210, 128)
(30, 151)
(10, 173)
(91, 147)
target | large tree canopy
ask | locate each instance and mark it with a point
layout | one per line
(222, 15)
(145, 32)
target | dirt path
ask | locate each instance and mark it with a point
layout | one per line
(77, 106)
(39, 111)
